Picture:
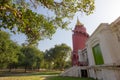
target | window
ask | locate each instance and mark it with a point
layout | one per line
(97, 55)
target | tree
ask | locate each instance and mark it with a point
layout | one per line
(8, 50)
(39, 56)
(17, 16)
(58, 55)
(14, 50)
(4, 44)
(49, 58)
(31, 57)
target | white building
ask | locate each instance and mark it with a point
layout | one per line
(103, 50)
(102, 54)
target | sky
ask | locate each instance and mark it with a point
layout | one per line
(106, 11)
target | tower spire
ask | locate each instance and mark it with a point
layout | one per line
(78, 22)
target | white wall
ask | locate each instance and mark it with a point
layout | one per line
(110, 51)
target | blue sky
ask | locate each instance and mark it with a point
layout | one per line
(106, 11)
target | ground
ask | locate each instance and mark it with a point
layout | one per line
(54, 75)
(42, 78)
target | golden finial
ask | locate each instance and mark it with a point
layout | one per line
(78, 22)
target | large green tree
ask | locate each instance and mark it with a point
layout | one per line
(30, 57)
(8, 50)
(58, 56)
(19, 16)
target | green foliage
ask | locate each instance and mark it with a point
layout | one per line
(8, 50)
(31, 57)
(17, 16)
(57, 56)
(12, 55)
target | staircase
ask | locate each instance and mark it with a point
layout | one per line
(73, 72)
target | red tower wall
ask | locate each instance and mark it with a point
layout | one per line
(79, 39)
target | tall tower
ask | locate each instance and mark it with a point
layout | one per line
(79, 38)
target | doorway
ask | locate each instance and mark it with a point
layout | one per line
(84, 73)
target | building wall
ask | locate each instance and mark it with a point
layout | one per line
(115, 27)
(110, 51)
(109, 47)
(108, 37)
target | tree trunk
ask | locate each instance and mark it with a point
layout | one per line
(10, 68)
(38, 69)
(32, 68)
(25, 68)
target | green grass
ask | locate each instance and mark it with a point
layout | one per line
(47, 75)
(67, 78)
(42, 78)
(23, 78)
(3, 74)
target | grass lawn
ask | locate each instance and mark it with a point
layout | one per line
(67, 78)
(36, 77)
(5, 74)
(23, 78)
